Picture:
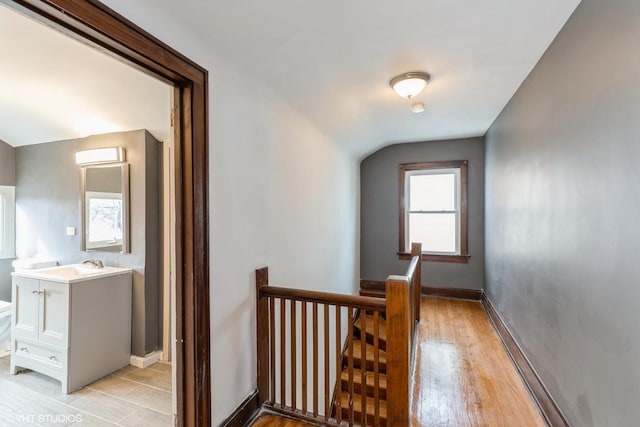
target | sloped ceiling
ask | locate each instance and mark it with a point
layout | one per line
(332, 60)
(56, 88)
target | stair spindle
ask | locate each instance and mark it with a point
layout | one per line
(294, 351)
(338, 401)
(326, 363)
(315, 360)
(376, 366)
(304, 357)
(350, 367)
(272, 345)
(363, 371)
(283, 360)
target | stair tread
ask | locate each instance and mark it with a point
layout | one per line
(382, 326)
(369, 352)
(370, 378)
(357, 405)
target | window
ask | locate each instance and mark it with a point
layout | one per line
(433, 210)
(104, 220)
(7, 222)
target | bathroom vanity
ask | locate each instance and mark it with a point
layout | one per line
(71, 322)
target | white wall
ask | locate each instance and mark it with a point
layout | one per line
(282, 195)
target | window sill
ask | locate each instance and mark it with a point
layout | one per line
(459, 259)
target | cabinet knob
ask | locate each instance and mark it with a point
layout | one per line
(35, 291)
(24, 349)
(52, 358)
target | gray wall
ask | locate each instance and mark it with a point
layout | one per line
(154, 240)
(562, 210)
(49, 200)
(379, 231)
(7, 177)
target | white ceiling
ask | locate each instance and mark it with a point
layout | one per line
(332, 60)
(54, 88)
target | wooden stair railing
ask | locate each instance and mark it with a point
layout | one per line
(309, 341)
(368, 360)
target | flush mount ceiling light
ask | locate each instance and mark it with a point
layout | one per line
(100, 155)
(418, 107)
(408, 85)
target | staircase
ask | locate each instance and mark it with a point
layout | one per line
(374, 366)
(368, 365)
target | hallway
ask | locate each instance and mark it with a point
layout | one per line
(463, 375)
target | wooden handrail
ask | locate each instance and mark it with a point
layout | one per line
(367, 303)
(283, 331)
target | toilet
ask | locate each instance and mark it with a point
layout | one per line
(5, 306)
(5, 328)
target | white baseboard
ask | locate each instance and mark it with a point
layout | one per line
(147, 360)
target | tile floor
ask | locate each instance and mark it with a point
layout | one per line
(128, 397)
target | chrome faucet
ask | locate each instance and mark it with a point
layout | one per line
(96, 263)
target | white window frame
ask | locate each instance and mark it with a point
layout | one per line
(7, 222)
(97, 244)
(456, 210)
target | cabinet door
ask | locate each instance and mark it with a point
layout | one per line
(25, 300)
(53, 313)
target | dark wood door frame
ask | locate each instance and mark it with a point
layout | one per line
(96, 24)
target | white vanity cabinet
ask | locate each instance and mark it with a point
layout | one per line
(41, 311)
(73, 329)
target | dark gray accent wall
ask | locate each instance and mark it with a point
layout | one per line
(7, 177)
(154, 241)
(49, 200)
(562, 210)
(379, 227)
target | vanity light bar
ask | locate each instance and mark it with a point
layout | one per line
(100, 155)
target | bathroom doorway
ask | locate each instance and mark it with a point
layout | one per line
(102, 28)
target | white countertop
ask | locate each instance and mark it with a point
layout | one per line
(72, 273)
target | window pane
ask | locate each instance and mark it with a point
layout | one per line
(105, 219)
(432, 192)
(436, 232)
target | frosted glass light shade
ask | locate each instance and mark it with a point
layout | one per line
(410, 84)
(100, 155)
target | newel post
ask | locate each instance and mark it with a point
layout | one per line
(398, 322)
(416, 250)
(262, 335)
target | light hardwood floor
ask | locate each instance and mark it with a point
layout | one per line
(128, 397)
(464, 376)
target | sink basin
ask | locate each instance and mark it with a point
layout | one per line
(72, 270)
(73, 273)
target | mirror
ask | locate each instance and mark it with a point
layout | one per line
(105, 207)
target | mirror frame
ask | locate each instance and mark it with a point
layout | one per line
(126, 205)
